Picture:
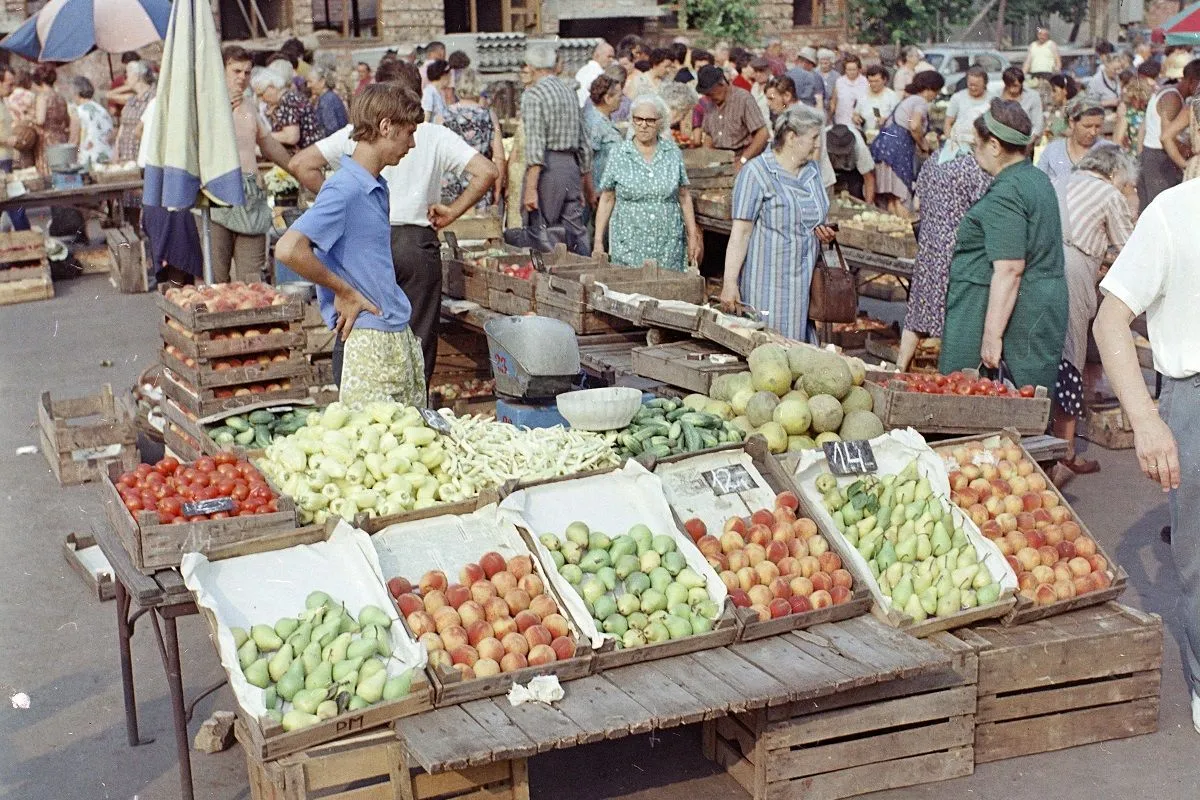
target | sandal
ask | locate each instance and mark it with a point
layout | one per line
(1081, 466)
(1061, 475)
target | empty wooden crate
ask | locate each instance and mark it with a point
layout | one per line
(80, 437)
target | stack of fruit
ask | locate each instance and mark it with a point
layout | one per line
(232, 296)
(497, 618)
(1003, 492)
(774, 562)
(321, 663)
(960, 384)
(916, 548)
(638, 587)
(167, 485)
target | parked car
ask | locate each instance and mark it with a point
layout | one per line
(953, 60)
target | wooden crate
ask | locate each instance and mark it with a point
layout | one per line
(202, 345)
(881, 286)
(741, 341)
(199, 319)
(902, 732)
(25, 270)
(19, 246)
(897, 407)
(1109, 428)
(64, 433)
(375, 765)
(181, 444)
(656, 315)
(1026, 610)
(153, 546)
(464, 279)
(477, 226)
(510, 304)
(702, 157)
(568, 283)
(582, 319)
(205, 375)
(876, 242)
(84, 556)
(127, 260)
(204, 402)
(1088, 676)
(684, 364)
(27, 290)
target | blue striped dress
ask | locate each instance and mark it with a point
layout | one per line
(778, 270)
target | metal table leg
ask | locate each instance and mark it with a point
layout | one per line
(175, 684)
(124, 634)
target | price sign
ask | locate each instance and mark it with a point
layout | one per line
(850, 458)
(452, 242)
(435, 421)
(733, 479)
(539, 263)
(208, 506)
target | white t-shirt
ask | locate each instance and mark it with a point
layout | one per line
(965, 110)
(415, 183)
(885, 101)
(1157, 273)
(584, 77)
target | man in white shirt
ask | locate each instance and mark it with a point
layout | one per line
(602, 56)
(416, 210)
(1157, 273)
(965, 107)
(1105, 85)
(846, 161)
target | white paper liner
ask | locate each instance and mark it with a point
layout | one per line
(263, 587)
(611, 503)
(691, 496)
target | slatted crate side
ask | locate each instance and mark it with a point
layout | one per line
(201, 319)
(206, 375)
(60, 439)
(897, 407)
(180, 443)
(25, 270)
(126, 252)
(17, 246)
(202, 346)
(509, 304)
(205, 403)
(26, 291)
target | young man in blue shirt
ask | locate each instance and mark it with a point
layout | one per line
(343, 244)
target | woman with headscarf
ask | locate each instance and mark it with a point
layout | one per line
(902, 138)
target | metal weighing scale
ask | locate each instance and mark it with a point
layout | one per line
(534, 359)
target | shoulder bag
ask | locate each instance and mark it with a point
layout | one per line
(832, 296)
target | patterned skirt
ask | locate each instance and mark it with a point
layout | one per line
(380, 365)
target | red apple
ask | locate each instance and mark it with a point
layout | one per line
(695, 528)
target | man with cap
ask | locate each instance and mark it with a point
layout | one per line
(810, 88)
(825, 59)
(558, 155)
(734, 122)
(846, 163)
(760, 75)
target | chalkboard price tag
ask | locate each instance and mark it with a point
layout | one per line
(732, 479)
(452, 242)
(539, 263)
(208, 506)
(435, 420)
(850, 458)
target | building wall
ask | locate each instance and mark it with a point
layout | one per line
(411, 20)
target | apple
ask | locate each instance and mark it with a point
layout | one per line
(830, 561)
(799, 604)
(513, 661)
(541, 654)
(709, 545)
(543, 605)
(408, 603)
(780, 587)
(435, 599)
(495, 608)
(526, 620)
(434, 579)
(563, 648)
(821, 599)
(557, 625)
(747, 578)
(779, 607)
(470, 573)
(531, 584)
(477, 632)
(455, 637)
(482, 591)
(457, 594)
(446, 617)
(538, 634)
(760, 595)
(515, 643)
(696, 529)
(431, 641)
(840, 595)
(398, 586)
(731, 541)
(492, 563)
(740, 598)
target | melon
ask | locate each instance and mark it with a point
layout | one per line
(826, 413)
(860, 424)
(737, 382)
(803, 358)
(720, 387)
(857, 399)
(739, 401)
(831, 377)
(793, 415)
(718, 408)
(777, 438)
(825, 438)
(695, 401)
(742, 423)
(761, 408)
(796, 443)
(858, 371)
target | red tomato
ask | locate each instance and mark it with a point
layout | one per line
(246, 468)
(134, 504)
(141, 470)
(241, 490)
(261, 491)
(271, 506)
(167, 466)
(170, 505)
(940, 380)
(205, 464)
(128, 480)
(220, 515)
(206, 493)
(225, 487)
(227, 469)
(188, 474)
(962, 388)
(1026, 391)
(251, 503)
(187, 492)
(201, 480)
(153, 479)
(224, 457)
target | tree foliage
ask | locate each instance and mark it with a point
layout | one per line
(1018, 11)
(905, 21)
(722, 20)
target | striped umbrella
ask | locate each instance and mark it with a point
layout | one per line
(1184, 27)
(66, 30)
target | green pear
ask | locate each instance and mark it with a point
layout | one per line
(328, 709)
(370, 667)
(578, 532)
(371, 688)
(325, 633)
(336, 650)
(286, 627)
(300, 637)
(604, 606)
(294, 720)
(266, 638)
(969, 598)
(653, 600)
(929, 600)
(358, 704)
(334, 617)
(616, 624)
(607, 576)
(314, 615)
(348, 625)
(959, 539)
(317, 599)
(292, 681)
(633, 638)
(966, 556)
(591, 588)
(558, 559)
(681, 610)
(902, 591)
(399, 686)
(700, 624)
(622, 546)
(887, 556)
(949, 603)
(674, 562)
(690, 578)
(373, 615)
(988, 594)
(963, 577)
(550, 541)
(239, 636)
(311, 656)
(572, 552)
(649, 561)
(660, 579)
(678, 627)
(914, 609)
(637, 621)
(343, 669)
(572, 573)
(657, 632)
(280, 662)
(321, 677)
(697, 594)
(307, 700)
(362, 648)
(676, 593)
(247, 653)
(257, 674)
(275, 715)
(271, 697)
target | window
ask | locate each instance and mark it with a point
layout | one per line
(990, 62)
(803, 12)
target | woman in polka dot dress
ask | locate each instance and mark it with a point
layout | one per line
(645, 196)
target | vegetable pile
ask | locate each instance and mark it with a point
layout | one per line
(258, 429)
(666, 427)
(167, 485)
(958, 383)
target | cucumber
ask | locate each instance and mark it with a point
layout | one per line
(245, 437)
(220, 430)
(238, 423)
(691, 439)
(261, 417)
(660, 450)
(262, 436)
(223, 436)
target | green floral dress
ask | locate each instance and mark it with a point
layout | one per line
(647, 221)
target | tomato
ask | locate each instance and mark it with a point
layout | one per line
(128, 480)
(1026, 391)
(220, 515)
(134, 504)
(167, 466)
(189, 474)
(166, 519)
(963, 388)
(225, 487)
(227, 469)
(187, 492)
(940, 380)
(201, 480)
(262, 491)
(251, 504)
(170, 505)
(225, 457)
(153, 479)
(246, 468)
(205, 464)
(272, 506)
(241, 490)
(142, 470)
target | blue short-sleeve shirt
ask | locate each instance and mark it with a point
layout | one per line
(350, 231)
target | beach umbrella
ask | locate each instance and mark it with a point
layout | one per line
(66, 30)
(192, 155)
(1184, 27)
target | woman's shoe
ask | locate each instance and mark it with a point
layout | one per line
(1081, 466)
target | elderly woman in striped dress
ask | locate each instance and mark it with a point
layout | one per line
(779, 207)
(1094, 202)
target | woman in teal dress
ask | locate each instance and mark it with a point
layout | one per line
(645, 196)
(1007, 298)
(604, 97)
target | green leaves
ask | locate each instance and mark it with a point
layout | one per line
(720, 19)
(905, 21)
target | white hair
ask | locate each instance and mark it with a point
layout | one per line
(142, 70)
(283, 68)
(262, 78)
(660, 107)
(541, 55)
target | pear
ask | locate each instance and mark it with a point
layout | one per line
(325, 633)
(399, 686)
(311, 656)
(371, 688)
(679, 628)
(266, 638)
(307, 700)
(924, 547)
(295, 720)
(700, 624)
(676, 594)
(633, 638)
(327, 710)
(358, 704)
(657, 632)
(550, 541)
(333, 617)
(373, 615)
(966, 556)
(247, 653)
(637, 621)
(344, 669)
(292, 681)
(271, 697)
(950, 603)
(275, 715)
(336, 650)
(348, 625)
(969, 598)
(257, 674)
(963, 577)
(362, 648)
(607, 576)
(959, 539)
(988, 594)
(370, 667)
(887, 556)
(943, 586)
(300, 637)
(982, 578)
(286, 627)
(902, 591)
(280, 662)
(314, 615)
(239, 636)
(906, 549)
(321, 677)
(929, 600)
(689, 578)
(914, 609)
(940, 540)
(317, 599)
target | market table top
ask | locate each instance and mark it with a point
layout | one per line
(87, 193)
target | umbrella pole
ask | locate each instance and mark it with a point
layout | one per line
(206, 242)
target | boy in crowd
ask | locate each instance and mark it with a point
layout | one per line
(343, 244)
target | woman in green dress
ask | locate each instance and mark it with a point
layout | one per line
(1007, 298)
(644, 194)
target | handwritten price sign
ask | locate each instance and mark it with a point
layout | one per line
(733, 479)
(850, 458)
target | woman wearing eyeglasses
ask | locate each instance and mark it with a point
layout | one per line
(645, 196)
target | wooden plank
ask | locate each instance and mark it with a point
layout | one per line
(804, 675)
(953, 733)
(670, 703)
(142, 589)
(739, 768)
(757, 688)
(458, 782)
(348, 766)
(1035, 702)
(101, 583)
(999, 740)
(867, 694)
(443, 739)
(877, 777)
(718, 695)
(733, 731)
(511, 741)
(859, 643)
(602, 711)
(546, 726)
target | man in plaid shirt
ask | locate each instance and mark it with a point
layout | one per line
(558, 155)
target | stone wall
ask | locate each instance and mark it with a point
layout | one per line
(301, 17)
(411, 20)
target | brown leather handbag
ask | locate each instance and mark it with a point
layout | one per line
(833, 296)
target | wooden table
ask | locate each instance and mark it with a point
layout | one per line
(166, 598)
(87, 195)
(794, 668)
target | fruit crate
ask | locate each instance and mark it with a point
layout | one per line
(81, 436)
(1027, 609)
(903, 732)
(1109, 428)
(204, 403)
(703, 487)
(741, 340)
(570, 283)
(1088, 676)
(22, 246)
(232, 342)
(897, 407)
(654, 314)
(84, 556)
(876, 242)
(444, 535)
(200, 319)
(688, 365)
(153, 546)
(374, 765)
(209, 374)
(464, 279)
(180, 444)
(127, 260)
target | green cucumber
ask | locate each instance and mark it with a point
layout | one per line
(245, 437)
(261, 417)
(238, 423)
(262, 436)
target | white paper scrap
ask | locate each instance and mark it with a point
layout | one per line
(542, 689)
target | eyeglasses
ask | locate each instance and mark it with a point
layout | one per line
(645, 120)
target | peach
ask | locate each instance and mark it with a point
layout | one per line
(709, 545)
(408, 603)
(779, 607)
(513, 662)
(737, 560)
(1049, 555)
(695, 529)
(1017, 541)
(492, 564)
(1005, 469)
(470, 612)
(730, 579)
(495, 608)
(398, 586)
(760, 595)
(1085, 546)
(446, 617)
(958, 481)
(1060, 514)
(1084, 584)
(981, 486)
(988, 471)
(800, 586)
(995, 505)
(1101, 580)
(541, 654)
(788, 566)
(730, 541)
(435, 599)
(759, 535)
(1035, 539)
(464, 655)
(821, 582)
(1062, 572)
(432, 641)
(1019, 484)
(970, 471)
(477, 632)
(747, 578)
(1003, 546)
(763, 612)
(1025, 580)
(798, 548)
(517, 599)
(1031, 501)
(1050, 498)
(557, 624)
(485, 668)
(420, 622)
(817, 544)
(762, 517)
(1006, 521)
(1036, 482)
(455, 637)
(1043, 574)
(804, 527)
(1064, 590)
(1045, 595)
(1025, 467)
(515, 643)
(1013, 504)
(756, 553)
(843, 578)
(991, 529)
(470, 573)
(782, 532)
(766, 572)
(490, 647)
(735, 524)
(482, 591)
(830, 561)
(504, 582)
(1098, 562)
(520, 566)
(777, 551)
(504, 626)
(787, 500)
(840, 595)
(1026, 522)
(1066, 550)
(1071, 530)
(781, 588)
(1013, 564)
(1053, 534)
(526, 620)
(740, 598)
(531, 584)
(434, 579)
(543, 605)
(820, 599)
(718, 562)
(1029, 558)
(967, 498)
(456, 595)
(538, 634)
(799, 604)
(563, 648)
